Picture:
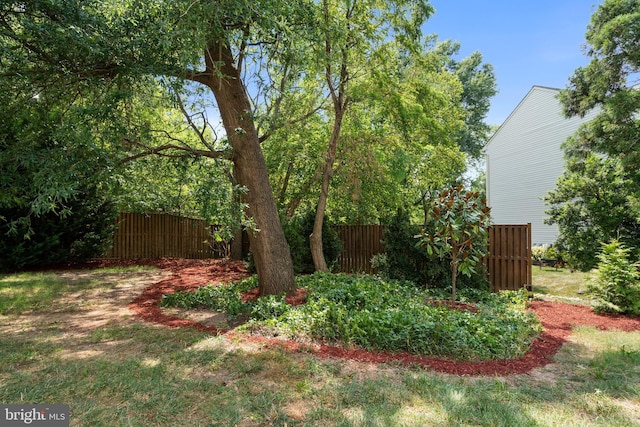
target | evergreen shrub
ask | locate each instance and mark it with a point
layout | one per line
(615, 286)
(297, 231)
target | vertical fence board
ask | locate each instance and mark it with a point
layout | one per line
(359, 244)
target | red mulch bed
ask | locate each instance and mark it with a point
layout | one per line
(557, 320)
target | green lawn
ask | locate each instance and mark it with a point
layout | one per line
(115, 370)
(561, 283)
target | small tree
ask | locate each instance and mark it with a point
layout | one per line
(460, 222)
(615, 286)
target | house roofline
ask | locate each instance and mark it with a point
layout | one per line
(516, 109)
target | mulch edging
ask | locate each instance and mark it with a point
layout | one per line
(557, 320)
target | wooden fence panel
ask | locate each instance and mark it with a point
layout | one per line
(160, 235)
(359, 244)
(508, 262)
(509, 259)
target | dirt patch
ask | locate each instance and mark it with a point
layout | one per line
(80, 312)
(557, 320)
(298, 410)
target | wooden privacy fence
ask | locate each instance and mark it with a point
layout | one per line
(509, 259)
(508, 262)
(359, 244)
(161, 235)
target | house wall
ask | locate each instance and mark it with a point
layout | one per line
(524, 160)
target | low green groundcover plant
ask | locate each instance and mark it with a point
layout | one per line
(375, 314)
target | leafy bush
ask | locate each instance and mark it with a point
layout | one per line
(539, 252)
(405, 261)
(79, 229)
(269, 307)
(389, 315)
(615, 286)
(591, 204)
(225, 298)
(297, 231)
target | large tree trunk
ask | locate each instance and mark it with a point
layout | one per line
(268, 245)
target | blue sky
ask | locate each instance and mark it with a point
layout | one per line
(527, 42)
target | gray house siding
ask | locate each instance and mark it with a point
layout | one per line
(524, 161)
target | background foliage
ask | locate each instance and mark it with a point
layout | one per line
(83, 230)
(596, 199)
(297, 231)
(98, 95)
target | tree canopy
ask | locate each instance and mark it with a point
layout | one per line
(596, 199)
(400, 136)
(175, 105)
(118, 45)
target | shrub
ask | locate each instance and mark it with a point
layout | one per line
(392, 316)
(615, 285)
(297, 231)
(405, 261)
(539, 252)
(83, 231)
(225, 298)
(542, 252)
(499, 329)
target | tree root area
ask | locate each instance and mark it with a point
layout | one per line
(557, 320)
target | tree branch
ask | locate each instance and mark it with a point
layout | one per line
(242, 49)
(161, 149)
(191, 123)
(201, 77)
(268, 133)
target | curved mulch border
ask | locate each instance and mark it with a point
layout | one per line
(557, 320)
